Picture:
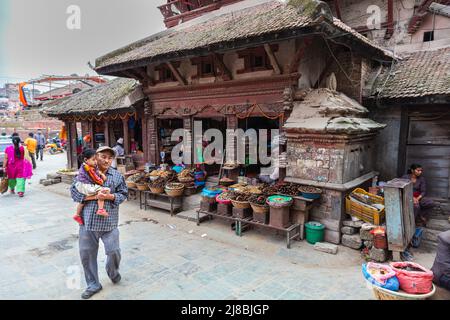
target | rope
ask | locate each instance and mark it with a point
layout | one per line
(250, 111)
(115, 117)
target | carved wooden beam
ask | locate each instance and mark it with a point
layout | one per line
(338, 9)
(177, 74)
(295, 62)
(273, 59)
(226, 73)
(145, 77)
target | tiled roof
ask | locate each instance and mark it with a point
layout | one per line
(269, 17)
(423, 73)
(114, 95)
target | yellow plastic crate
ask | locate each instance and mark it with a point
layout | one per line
(365, 213)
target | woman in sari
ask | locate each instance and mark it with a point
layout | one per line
(18, 168)
(422, 205)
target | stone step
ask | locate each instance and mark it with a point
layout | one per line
(428, 245)
(430, 234)
(438, 224)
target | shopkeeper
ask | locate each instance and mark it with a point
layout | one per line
(271, 175)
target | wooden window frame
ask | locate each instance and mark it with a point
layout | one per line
(200, 63)
(162, 68)
(249, 56)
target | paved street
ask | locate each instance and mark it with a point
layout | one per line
(163, 257)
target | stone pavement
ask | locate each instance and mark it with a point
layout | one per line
(163, 257)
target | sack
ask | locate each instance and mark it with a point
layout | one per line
(3, 185)
(412, 281)
(381, 276)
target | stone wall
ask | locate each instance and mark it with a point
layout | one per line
(312, 161)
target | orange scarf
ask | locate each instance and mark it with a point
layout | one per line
(93, 174)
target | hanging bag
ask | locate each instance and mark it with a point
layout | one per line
(3, 185)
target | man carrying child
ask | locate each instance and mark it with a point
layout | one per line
(96, 224)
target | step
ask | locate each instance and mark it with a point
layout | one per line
(438, 224)
(428, 245)
(430, 234)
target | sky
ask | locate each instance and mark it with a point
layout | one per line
(35, 38)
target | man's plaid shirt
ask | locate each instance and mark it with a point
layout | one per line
(94, 222)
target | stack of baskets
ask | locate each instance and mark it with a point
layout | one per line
(174, 189)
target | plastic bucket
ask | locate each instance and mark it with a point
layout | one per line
(315, 232)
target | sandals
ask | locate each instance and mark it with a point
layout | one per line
(78, 219)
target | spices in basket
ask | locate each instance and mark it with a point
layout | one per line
(174, 185)
(135, 177)
(258, 199)
(158, 183)
(309, 189)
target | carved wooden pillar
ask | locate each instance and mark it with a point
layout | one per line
(107, 138)
(188, 140)
(126, 138)
(91, 132)
(151, 136)
(72, 156)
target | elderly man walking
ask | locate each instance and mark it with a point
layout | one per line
(98, 227)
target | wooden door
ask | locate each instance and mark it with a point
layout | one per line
(428, 144)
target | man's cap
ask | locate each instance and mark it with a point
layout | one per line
(106, 148)
(120, 141)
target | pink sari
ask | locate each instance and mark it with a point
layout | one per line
(18, 167)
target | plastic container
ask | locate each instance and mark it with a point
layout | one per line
(315, 232)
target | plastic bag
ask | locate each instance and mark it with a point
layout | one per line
(416, 280)
(381, 276)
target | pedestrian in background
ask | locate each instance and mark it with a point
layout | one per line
(31, 145)
(18, 168)
(40, 138)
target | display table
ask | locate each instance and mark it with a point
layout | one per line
(163, 201)
(292, 232)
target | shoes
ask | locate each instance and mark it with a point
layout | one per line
(117, 279)
(12, 191)
(407, 256)
(21, 194)
(102, 212)
(88, 293)
(78, 219)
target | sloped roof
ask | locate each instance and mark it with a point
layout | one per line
(327, 111)
(117, 94)
(221, 27)
(441, 9)
(423, 73)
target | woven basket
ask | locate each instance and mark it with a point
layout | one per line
(157, 190)
(142, 186)
(240, 204)
(384, 294)
(174, 192)
(259, 208)
(365, 212)
(131, 185)
(188, 179)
